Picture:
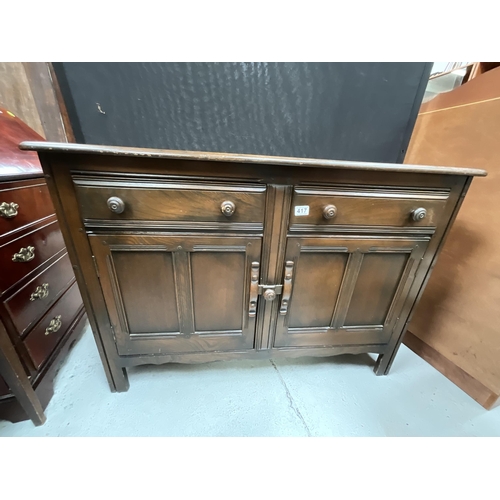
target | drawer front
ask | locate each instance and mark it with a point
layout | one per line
(22, 204)
(368, 207)
(45, 336)
(30, 303)
(171, 202)
(30, 251)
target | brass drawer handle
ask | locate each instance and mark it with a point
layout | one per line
(116, 205)
(228, 208)
(54, 325)
(330, 211)
(8, 210)
(41, 292)
(419, 214)
(24, 255)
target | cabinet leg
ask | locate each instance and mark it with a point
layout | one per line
(382, 365)
(119, 382)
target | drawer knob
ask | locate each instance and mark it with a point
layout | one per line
(24, 255)
(228, 208)
(269, 294)
(54, 325)
(41, 292)
(116, 205)
(8, 210)
(330, 211)
(419, 214)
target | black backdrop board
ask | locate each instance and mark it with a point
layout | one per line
(342, 111)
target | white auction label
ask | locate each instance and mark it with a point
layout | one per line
(302, 210)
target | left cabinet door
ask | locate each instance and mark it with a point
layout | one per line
(179, 294)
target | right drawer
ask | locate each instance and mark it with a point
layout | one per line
(28, 304)
(368, 207)
(45, 336)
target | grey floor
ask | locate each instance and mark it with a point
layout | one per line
(337, 396)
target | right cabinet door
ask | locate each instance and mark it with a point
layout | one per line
(345, 290)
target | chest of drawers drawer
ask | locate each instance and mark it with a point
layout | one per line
(26, 253)
(29, 303)
(368, 207)
(22, 203)
(147, 201)
(45, 336)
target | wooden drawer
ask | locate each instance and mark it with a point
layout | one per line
(367, 206)
(26, 307)
(46, 241)
(154, 201)
(33, 202)
(39, 343)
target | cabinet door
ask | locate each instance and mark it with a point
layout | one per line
(345, 290)
(179, 294)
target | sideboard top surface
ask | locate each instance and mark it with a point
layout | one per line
(56, 147)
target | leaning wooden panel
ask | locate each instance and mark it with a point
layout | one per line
(455, 326)
(231, 273)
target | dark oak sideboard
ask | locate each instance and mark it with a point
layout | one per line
(41, 310)
(193, 257)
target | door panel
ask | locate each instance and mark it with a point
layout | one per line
(347, 290)
(175, 294)
(323, 298)
(217, 306)
(377, 282)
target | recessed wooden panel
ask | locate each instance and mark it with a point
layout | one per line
(218, 285)
(317, 283)
(375, 288)
(147, 288)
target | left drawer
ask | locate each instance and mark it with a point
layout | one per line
(21, 256)
(45, 336)
(29, 303)
(22, 203)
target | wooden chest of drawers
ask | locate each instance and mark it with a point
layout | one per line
(41, 310)
(193, 257)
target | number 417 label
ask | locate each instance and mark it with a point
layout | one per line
(302, 210)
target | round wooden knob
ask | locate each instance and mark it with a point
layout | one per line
(116, 205)
(330, 211)
(269, 294)
(228, 208)
(419, 214)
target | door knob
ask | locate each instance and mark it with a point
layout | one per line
(228, 208)
(330, 211)
(269, 294)
(116, 205)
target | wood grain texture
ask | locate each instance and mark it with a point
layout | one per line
(244, 158)
(350, 111)
(181, 202)
(458, 314)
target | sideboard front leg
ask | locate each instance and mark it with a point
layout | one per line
(119, 376)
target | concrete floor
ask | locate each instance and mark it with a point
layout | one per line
(337, 396)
